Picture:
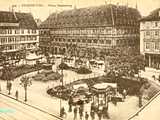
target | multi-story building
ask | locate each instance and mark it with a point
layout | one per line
(150, 39)
(17, 31)
(96, 27)
(45, 39)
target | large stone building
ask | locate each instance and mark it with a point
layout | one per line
(95, 27)
(150, 39)
(17, 31)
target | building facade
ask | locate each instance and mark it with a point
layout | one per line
(45, 40)
(95, 27)
(150, 39)
(17, 31)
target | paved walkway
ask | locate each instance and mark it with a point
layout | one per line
(11, 109)
(150, 111)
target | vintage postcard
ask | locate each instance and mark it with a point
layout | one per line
(79, 59)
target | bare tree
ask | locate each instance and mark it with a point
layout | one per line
(25, 82)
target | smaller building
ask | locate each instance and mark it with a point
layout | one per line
(18, 31)
(45, 42)
(150, 39)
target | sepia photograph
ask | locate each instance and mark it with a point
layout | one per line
(79, 59)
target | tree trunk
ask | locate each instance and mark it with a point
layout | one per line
(25, 94)
(9, 92)
(140, 101)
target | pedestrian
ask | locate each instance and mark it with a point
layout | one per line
(62, 112)
(70, 104)
(75, 113)
(99, 115)
(92, 106)
(124, 94)
(92, 114)
(82, 106)
(86, 116)
(80, 113)
(16, 94)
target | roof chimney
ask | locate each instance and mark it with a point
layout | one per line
(136, 5)
(14, 11)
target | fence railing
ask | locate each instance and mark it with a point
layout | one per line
(143, 107)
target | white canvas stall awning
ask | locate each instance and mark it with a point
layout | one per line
(80, 85)
(32, 57)
(105, 85)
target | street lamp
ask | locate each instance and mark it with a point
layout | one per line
(61, 90)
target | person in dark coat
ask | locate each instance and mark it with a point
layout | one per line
(80, 113)
(75, 113)
(86, 116)
(62, 112)
(70, 104)
(92, 106)
(99, 115)
(16, 94)
(92, 114)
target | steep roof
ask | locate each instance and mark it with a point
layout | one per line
(8, 17)
(25, 20)
(105, 15)
(153, 16)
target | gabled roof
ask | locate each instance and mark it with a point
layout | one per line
(7, 17)
(153, 16)
(105, 15)
(25, 20)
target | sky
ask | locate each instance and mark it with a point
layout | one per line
(41, 9)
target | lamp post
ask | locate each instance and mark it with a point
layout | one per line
(61, 90)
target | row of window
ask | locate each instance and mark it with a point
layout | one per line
(16, 47)
(44, 32)
(152, 33)
(28, 38)
(17, 31)
(150, 24)
(118, 42)
(4, 40)
(82, 31)
(152, 45)
(82, 40)
(95, 31)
